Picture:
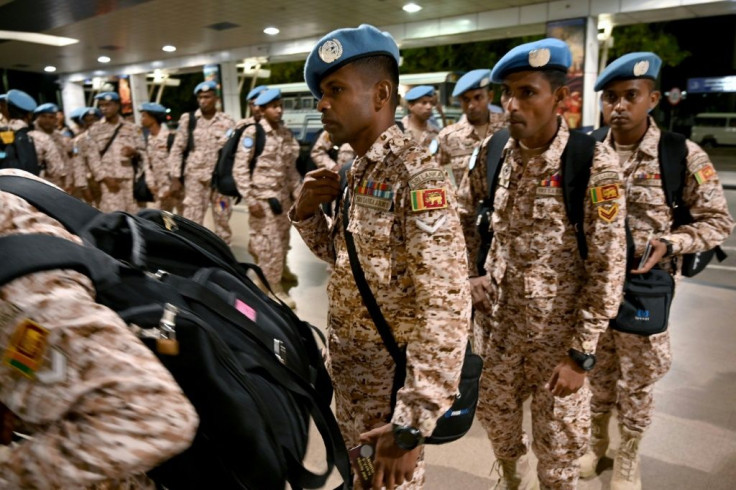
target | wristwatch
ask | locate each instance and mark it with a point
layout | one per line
(585, 361)
(407, 438)
(669, 246)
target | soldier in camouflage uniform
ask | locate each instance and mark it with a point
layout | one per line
(629, 365)
(409, 246)
(158, 177)
(113, 170)
(253, 109)
(84, 151)
(45, 126)
(325, 154)
(270, 189)
(547, 304)
(417, 123)
(99, 407)
(210, 134)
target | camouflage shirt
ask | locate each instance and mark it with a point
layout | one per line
(321, 157)
(157, 172)
(84, 151)
(100, 408)
(113, 164)
(209, 136)
(408, 239)
(426, 138)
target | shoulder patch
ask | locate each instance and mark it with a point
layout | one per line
(425, 199)
(27, 348)
(416, 180)
(705, 173)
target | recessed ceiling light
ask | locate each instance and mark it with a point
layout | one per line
(271, 31)
(412, 8)
(104, 59)
(50, 69)
(169, 48)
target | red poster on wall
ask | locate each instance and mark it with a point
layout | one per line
(572, 31)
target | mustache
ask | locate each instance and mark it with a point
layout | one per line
(514, 119)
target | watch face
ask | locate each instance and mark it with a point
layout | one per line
(588, 363)
(406, 437)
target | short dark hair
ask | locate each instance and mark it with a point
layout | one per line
(17, 113)
(380, 67)
(556, 78)
(158, 116)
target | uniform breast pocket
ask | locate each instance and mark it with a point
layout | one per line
(371, 230)
(550, 222)
(647, 194)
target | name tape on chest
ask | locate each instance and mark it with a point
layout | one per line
(604, 193)
(425, 199)
(27, 347)
(374, 195)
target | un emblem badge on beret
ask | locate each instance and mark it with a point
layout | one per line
(484, 81)
(108, 97)
(539, 57)
(641, 68)
(330, 51)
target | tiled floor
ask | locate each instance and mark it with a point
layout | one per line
(692, 442)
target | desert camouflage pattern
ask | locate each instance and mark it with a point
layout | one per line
(114, 165)
(546, 300)
(158, 177)
(321, 157)
(84, 151)
(112, 413)
(414, 262)
(457, 143)
(425, 138)
(274, 177)
(209, 136)
(63, 145)
(629, 365)
(53, 166)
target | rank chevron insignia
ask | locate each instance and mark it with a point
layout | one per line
(608, 213)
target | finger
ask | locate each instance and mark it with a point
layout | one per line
(390, 481)
(323, 174)
(378, 477)
(552, 383)
(369, 436)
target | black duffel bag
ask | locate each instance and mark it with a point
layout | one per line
(645, 309)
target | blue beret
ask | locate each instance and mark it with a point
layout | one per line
(546, 54)
(153, 107)
(94, 111)
(472, 80)
(629, 66)
(268, 96)
(21, 100)
(47, 108)
(255, 92)
(205, 86)
(340, 47)
(108, 96)
(418, 92)
(78, 112)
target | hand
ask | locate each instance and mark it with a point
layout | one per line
(567, 378)
(129, 152)
(256, 211)
(175, 185)
(112, 184)
(393, 465)
(320, 186)
(659, 250)
(480, 290)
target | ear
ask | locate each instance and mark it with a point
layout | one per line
(561, 94)
(381, 94)
(654, 98)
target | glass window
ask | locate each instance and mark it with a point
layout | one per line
(711, 122)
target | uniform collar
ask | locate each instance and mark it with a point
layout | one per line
(648, 144)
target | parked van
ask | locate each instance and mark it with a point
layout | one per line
(714, 128)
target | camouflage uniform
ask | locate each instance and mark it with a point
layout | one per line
(415, 265)
(84, 151)
(629, 365)
(274, 177)
(209, 136)
(430, 134)
(546, 300)
(107, 414)
(113, 165)
(321, 157)
(52, 164)
(158, 175)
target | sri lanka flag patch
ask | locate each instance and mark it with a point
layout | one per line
(422, 199)
(604, 193)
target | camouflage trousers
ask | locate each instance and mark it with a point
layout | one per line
(362, 374)
(173, 203)
(627, 368)
(269, 241)
(120, 200)
(521, 344)
(197, 196)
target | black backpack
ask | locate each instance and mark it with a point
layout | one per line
(18, 151)
(672, 151)
(250, 367)
(222, 175)
(577, 160)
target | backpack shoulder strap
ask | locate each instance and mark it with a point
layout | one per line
(493, 160)
(170, 141)
(600, 134)
(672, 149)
(69, 211)
(577, 159)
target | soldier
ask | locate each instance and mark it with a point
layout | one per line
(62, 126)
(547, 302)
(99, 407)
(209, 136)
(628, 364)
(84, 151)
(45, 125)
(326, 154)
(460, 142)
(417, 123)
(269, 189)
(158, 145)
(117, 142)
(254, 110)
(20, 109)
(412, 252)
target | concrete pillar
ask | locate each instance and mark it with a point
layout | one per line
(72, 97)
(590, 100)
(138, 94)
(230, 89)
